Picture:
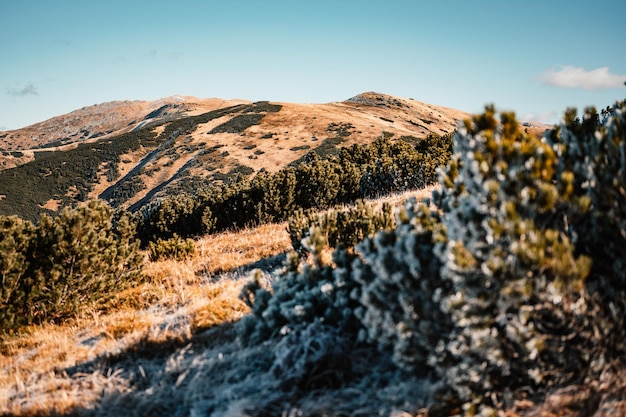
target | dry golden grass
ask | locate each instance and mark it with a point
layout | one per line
(397, 199)
(178, 298)
(30, 380)
(224, 252)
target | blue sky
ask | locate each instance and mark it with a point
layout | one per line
(535, 57)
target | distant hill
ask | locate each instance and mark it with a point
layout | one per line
(129, 152)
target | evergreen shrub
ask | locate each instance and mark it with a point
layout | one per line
(344, 228)
(304, 295)
(64, 265)
(15, 240)
(507, 260)
(397, 276)
(592, 166)
(175, 248)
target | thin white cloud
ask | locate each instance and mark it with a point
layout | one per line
(28, 90)
(577, 77)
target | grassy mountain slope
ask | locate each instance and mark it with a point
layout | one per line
(104, 120)
(182, 144)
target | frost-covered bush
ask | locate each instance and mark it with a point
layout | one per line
(511, 287)
(525, 220)
(319, 290)
(592, 158)
(508, 259)
(399, 287)
(306, 294)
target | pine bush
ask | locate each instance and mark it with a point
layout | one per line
(64, 265)
(15, 241)
(312, 293)
(506, 259)
(524, 287)
(277, 195)
(592, 165)
(178, 215)
(318, 183)
(400, 166)
(344, 228)
(314, 183)
(398, 286)
(175, 248)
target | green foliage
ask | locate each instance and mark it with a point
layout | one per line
(174, 248)
(238, 123)
(65, 265)
(15, 239)
(300, 148)
(340, 130)
(177, 215)
(125, 190)
(276, 194)
(318, 183)
(242, 170)
(400, 166)
(327, 149)
(343, 228)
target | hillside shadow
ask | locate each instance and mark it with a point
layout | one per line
(272, 266)
(200, 339)
(152, 350)
(152, 374)
(147, 374)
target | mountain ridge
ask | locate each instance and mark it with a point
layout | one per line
(107, 118)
